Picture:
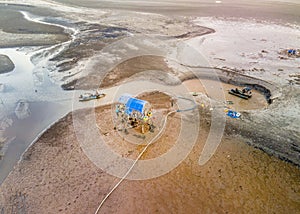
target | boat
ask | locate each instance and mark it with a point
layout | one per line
(90, 96)
(244, 94)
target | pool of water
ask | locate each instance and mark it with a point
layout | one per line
(29, 102)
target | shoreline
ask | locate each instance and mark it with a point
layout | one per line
(85, 186)
(54, 160)
(237, 74)
(229, 79)
(37, 91)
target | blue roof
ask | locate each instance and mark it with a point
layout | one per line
(134, 104)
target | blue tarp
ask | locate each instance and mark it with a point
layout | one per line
(233, 114)
(292, 51)
(134, 104)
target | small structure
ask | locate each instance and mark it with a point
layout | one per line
(134, 113)
(292, 52)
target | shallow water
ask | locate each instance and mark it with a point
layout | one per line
(30, 101)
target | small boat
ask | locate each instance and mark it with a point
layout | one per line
(245, 93)
(90, 96)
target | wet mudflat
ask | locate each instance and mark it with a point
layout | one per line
(56, 176)
(18, 31)
(237, 177)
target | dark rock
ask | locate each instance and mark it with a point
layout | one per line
(6, 65)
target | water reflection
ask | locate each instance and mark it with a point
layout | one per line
(29, 102)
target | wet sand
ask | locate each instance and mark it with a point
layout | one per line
(16, 31)
(278, 11)
(256, 102)
(55, 175)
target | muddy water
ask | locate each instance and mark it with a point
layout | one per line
(29, 103)
(24, 130)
